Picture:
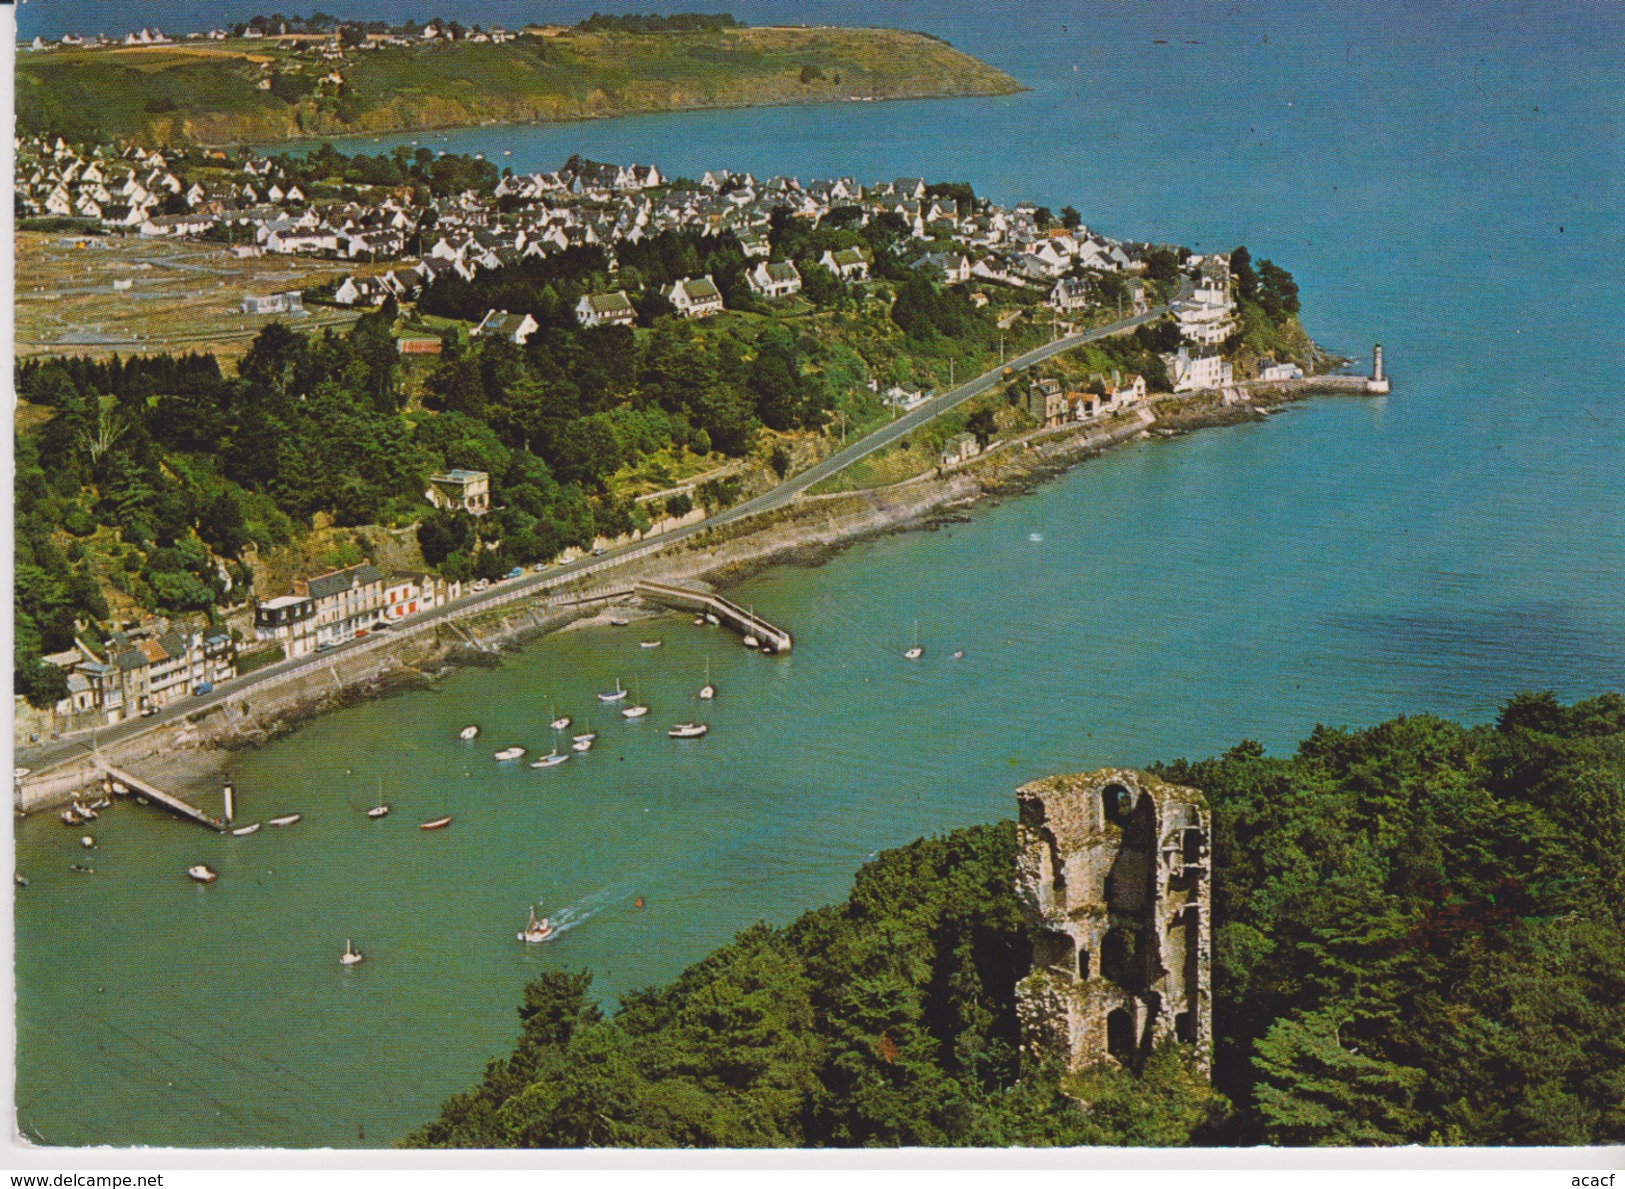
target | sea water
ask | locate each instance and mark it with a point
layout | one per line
(1448, 182)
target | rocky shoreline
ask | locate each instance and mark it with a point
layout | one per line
(192, 756)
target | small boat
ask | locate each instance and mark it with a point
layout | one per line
(510, 753)
(618, 621)
(287, 819)
(142, 801)
(584, 744)
(584, 737)
(699, 621)
(712, 619)
(439, 823)
(18, 878)
(752, 642)
(245, 831)
(468, 732)
(121, 788)
(561, 724)
(537, 930)
(618, 696)
(101, 802)
(551, 760)
(86, 841)
(351, 955)
(85, 812)
(202, 873)
(915, 653)
(648, 643)
(379, 810)
(70, 818)
(81, 869)
(707, 691)
(688, 730)
(960, 655)
(634, 712)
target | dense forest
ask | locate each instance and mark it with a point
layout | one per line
(1418, 940)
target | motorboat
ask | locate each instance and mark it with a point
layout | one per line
(510, 753)
(561, 723)
(86, 841)
(752, 643)
(712, 619)
(688, 730)
(537, 930)
(121, 788)
(618, 621)
(70, 818)
(351, 956)
(245, 831)
(439, 823)
(85, 812)
(286, 819)
(201, 873)
(584, 737)
(634, 712)
(551, 760)
(583, 744)
(699, 621)
(648, 643)
(618, 696)
(468, 732)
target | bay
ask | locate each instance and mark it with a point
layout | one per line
(1447, 182)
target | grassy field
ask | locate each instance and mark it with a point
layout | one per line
(182, 296)
(166, 95)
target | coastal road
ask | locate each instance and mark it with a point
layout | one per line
(56, 751)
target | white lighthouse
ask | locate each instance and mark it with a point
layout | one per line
(1377, 385)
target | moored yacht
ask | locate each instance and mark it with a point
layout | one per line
(618, 696)
(510, 753)
(287, 819)
(201, 873)
(351, 955)
(688, 730)
(468, 732)
(245, 831)
(562, 723)
(551, 760)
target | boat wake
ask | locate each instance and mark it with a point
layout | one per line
(584, 909)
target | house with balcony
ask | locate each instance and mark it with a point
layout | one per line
(465, 491)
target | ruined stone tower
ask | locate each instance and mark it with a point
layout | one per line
(1113, 871)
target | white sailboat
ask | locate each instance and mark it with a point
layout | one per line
(351, 955)
(915, 653)
(707, 691)
(688, 730)
(245, 831)
(618, 696)
(551, 760)
(379, 810)
(510, 753)
(468, 732)
(536, 930)
(637, 709)
(562, 723)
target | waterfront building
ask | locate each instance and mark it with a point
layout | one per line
(1191, 373)
(289, 620)
(962, 447)
(1208, 317)
(346, 601)
(1046, 403)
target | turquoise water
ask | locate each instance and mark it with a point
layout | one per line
(1452, 189)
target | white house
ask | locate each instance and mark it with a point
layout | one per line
(605, 309)
(775, 279)
(515, 328)
(1189, 373)
(850, 264)
(695, 297)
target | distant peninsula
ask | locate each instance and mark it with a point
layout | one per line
(250, 84)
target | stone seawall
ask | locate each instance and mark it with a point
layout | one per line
(187, 756)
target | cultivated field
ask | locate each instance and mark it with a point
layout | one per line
(181, 297)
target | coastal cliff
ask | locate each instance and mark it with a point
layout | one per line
(233, 93)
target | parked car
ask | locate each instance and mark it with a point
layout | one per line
(481, 583)
(598, 551)
(517, 572)
(325, 646)
(148, 711)
(203, 687)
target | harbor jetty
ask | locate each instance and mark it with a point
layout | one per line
(729, 613)
(168, 800)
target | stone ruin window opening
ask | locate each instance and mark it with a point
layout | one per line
(1116, 803)
(1083, 964)
(1054, 950)
(1120, 1035)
